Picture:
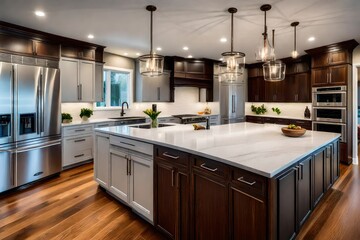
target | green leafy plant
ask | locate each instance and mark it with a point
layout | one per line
(152, 114)
(258, 110)
(277, 110)
(66, 116)
(86, 112)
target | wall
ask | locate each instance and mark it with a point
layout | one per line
(186, 98)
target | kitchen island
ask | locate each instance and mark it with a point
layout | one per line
(233, 181)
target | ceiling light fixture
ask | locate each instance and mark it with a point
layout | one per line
(185, 48)
(223, 40)
(233, 63)
(264, 52)
(126, 54)
(311, 39)
(158, 49)
(40, 13)
(294, 53)
(151, 64)
(274, 70)
(90, 36)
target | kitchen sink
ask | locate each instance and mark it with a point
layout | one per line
(147, 126)
(127, 118)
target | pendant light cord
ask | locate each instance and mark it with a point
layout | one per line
(232, 32)
(151, 33)
(294, 38)
(273, 38)
(265, 27)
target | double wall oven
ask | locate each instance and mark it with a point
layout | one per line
(330, 110)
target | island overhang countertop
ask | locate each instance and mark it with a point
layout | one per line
(258, 148)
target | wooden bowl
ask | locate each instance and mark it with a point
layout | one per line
(293, 132)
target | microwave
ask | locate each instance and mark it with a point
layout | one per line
(329, 96)
(331, 127)
(330, 114)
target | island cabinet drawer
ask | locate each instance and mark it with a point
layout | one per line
(134, 145)
(172, 155)
(209, 166)
(74, 131)
(250, 183)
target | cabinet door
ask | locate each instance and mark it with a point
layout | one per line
(69, 75)
(298, 88)
(16, 44)
(338, 75)
(141, 184)
(304, 192)
(69, 51)
(99, 82)
(287, 198)
(256, 89)
(247, 209)
(183, 186)
(119, 171)
(320, 60)
(77, 149)
(166, 199)
(211, 207)
(338, 57)
(319, 77)
(275, 91)
(319, 163)
(87, 53)
(86, 81)
(47, 50)
(327, 167)
(101, 159)
(335, 162)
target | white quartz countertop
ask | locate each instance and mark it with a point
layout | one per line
(258, 148)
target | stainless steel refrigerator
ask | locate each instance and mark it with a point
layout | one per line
(232, 103)
(30, 122)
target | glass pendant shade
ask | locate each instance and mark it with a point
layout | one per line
(265, 51)
(151, 64)
(274, 71)
(233, 64)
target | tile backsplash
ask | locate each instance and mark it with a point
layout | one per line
(186, 101)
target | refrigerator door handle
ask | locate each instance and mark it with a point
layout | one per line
(38, 146)
(41, 104)
(233, 104)
(38, 107)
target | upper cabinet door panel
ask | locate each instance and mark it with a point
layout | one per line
(68, 51)
(338, 57)
(69, 75)
(320, 60)
(195, 67)
(87, 72)
(15, 44)
(48, 50)
(338, 75)
(319, 77)
(87, 53)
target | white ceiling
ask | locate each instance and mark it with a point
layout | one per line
(123, 25)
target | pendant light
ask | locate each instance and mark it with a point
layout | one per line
(265, 51)
(151, 64)
(274, 70)
(233, 63)
(294, 53)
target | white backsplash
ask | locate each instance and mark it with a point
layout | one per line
(186, 101)
(293, 110)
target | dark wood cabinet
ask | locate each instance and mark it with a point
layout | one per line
(275, 91)
(304, 191)
(319, 171)
(328, 76)
(331, 58)
(282, 121)
(78, 52)
(327, 167)
(335, 162)
(298, 88)
(319, 77)
(197, 69)
(15, 44)
(256, 89)
(46, 49)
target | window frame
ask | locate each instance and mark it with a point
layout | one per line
(130, 88)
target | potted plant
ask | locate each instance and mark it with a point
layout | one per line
(153, 116)
(85, 113)
(66, 117)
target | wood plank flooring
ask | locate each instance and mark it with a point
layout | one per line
(72, 206)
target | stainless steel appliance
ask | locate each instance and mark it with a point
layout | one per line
(331, 127)
(30, 121)
(330, 114)
(190, 118)
(329, 96)
(232, 103)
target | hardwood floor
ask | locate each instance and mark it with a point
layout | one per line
(72, 206)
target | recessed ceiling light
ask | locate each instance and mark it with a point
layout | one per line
(40, 13)
(185, 48)
(221, 59)
(311, 39)
(159, 48)
(190, 56)
(126, 54)
(223, 39)
(137, 54)
(90, 36)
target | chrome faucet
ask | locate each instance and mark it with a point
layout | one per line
(122, 108)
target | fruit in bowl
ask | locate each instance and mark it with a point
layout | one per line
(293, 131)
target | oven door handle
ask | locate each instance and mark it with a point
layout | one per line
(330, 92)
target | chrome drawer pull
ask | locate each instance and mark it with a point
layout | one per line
(80, 155)
(241, 179)
(207, 168)
(79, 130)
(170, 156)
(80, 140)
(103, 125)
(128, 144)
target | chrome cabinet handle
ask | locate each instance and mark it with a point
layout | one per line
(128, 144)
(241, 179)
(170, 156)
(129, 165)
(78, 91)
(233, 103)
(79, 130)
(302, 170)
(80, 155)
(207, 168)
(80, 140)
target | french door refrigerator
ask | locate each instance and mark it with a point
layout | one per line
(30, 124)
(232, 103)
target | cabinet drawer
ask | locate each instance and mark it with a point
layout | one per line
(248, 182)
(172, 155)
(302, 123)
(77, 149)
(212, 167)
(74, 131)
(134, 145)
(254, 119)
(282, 121)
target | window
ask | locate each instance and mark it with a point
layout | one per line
(116, 87)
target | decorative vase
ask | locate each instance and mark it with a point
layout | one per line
(154, 123)
(84, 118)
